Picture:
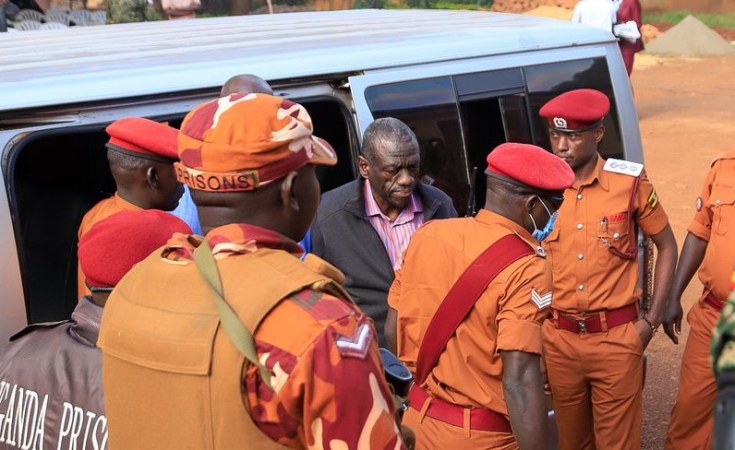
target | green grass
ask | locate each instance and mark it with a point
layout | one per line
(725, 20)
(448, 5)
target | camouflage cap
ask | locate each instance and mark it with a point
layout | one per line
(243, 141)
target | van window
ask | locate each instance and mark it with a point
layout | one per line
(492, 111)
(459, 119)
(429, 108)
(549, 80)
(54, 177)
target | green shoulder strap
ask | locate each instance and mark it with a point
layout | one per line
(231, 323)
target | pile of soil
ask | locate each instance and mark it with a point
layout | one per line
(690, 38)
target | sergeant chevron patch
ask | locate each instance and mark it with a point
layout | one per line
(358, 345)
(541, 301)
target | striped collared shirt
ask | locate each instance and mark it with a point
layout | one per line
(397, 233)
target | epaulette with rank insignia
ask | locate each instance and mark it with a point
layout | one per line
(623, 167)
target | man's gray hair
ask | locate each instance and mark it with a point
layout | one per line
(387, 130)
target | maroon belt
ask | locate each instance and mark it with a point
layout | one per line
(479, 419)
(714, 302)
(594, 323)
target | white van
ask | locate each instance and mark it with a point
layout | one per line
(464, 81)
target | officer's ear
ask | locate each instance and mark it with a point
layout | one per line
(151, 176)
(599, 133)
(529, 202)
(289, 199)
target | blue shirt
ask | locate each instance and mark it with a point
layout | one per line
(187, 211)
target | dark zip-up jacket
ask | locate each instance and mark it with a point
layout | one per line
(51, 385)
(342, 235)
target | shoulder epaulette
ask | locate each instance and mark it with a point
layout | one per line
(623, 167)
(725, 155)
(36, 326)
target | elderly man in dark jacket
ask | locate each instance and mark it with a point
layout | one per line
(364, 227)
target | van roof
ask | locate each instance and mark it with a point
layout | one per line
(79, 64)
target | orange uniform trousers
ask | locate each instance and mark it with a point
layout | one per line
(692, 418)
(596, 384)
(435, 434)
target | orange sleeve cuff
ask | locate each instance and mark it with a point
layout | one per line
(655, 222)
(701, 231)
(518, 335)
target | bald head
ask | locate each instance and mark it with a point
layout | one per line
(246, 84)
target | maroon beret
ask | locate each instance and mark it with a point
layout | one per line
(114, 245)
(530, 166)
(144, 138)
(577, 110)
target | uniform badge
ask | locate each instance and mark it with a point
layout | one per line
(700, 203)
(560, 122)
(357, 345)
(541, 301)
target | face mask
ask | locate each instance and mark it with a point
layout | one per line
(541, 235)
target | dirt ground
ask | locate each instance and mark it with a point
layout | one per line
(685, 107)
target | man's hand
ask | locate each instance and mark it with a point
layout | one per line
(524, 396)
(644, 332)
(409, 438)
(672, 319)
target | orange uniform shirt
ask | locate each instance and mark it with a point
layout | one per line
(594, 216)
(102, 210)
(470, 371)
(714, 222)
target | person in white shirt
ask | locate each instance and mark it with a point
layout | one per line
(596, 13)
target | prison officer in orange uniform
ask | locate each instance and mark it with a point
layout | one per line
(487, 378)
(597, 333)
(231, 341)
(141, 154)
(709, 246)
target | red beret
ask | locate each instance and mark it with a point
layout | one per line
(577, 110)
(530, 166)
(114, 245)
(144, 138)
